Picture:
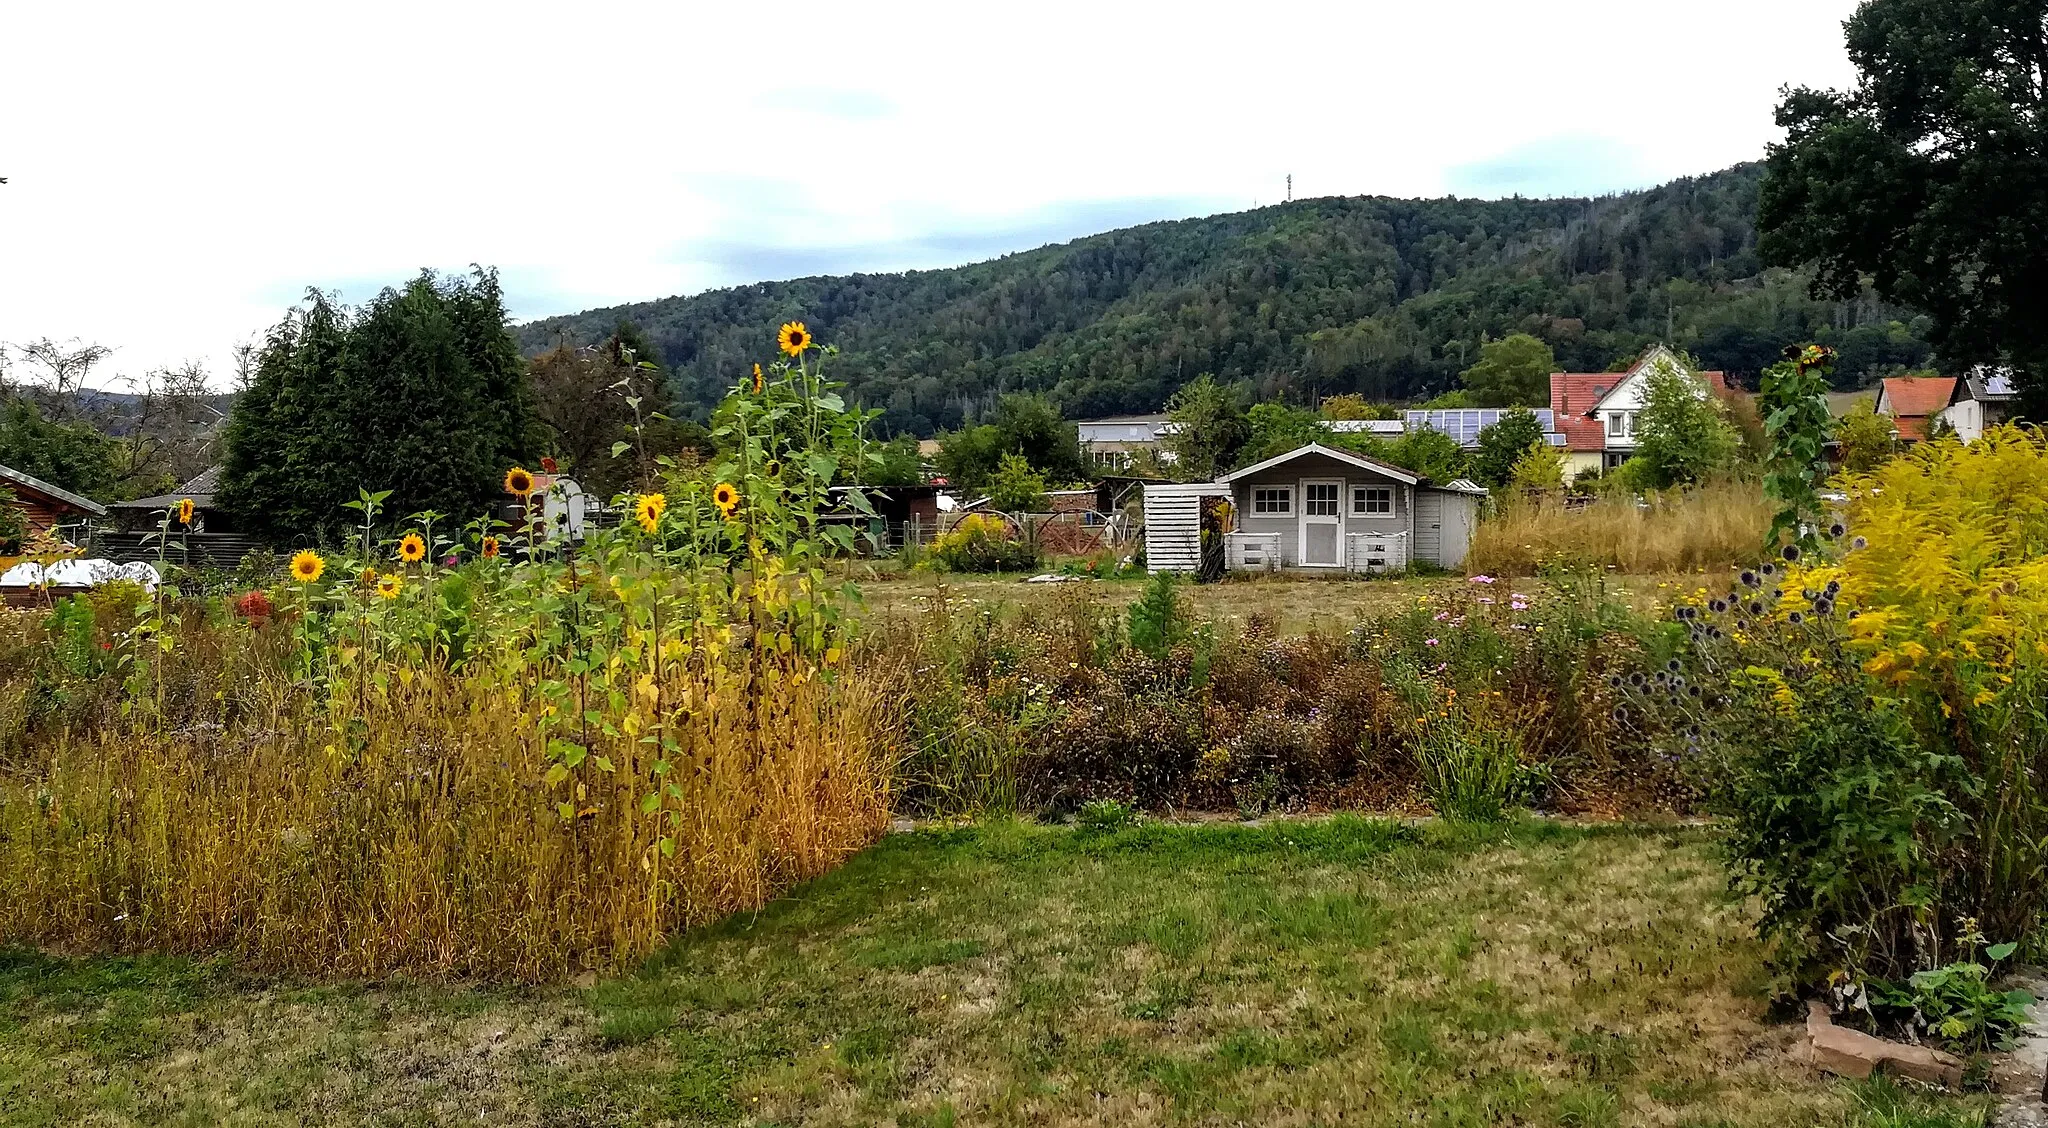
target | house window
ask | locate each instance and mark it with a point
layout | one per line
(1372, 499)
(1272, 500)
(1319, 499)
(1617, 424)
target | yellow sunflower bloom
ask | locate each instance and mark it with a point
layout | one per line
(411, 548)
(307, 566)
(490, 548)
(648, 510)
(388, 586)
(793, 338)
(726, 498)
(185, 511)
(518, 481)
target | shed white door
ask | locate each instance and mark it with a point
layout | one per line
(1322, 525)
(1429, 530)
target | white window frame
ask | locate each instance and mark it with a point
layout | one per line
(1278, 503)
(1372, 501)
(1617, 424)
(1335, 500)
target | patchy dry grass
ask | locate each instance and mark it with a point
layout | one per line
(1295, 973)
(1295, 604)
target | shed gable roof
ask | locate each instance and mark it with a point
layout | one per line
(49, 492)
(1356, 460)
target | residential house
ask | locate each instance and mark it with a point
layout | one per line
(1110, 444)
(46, 506)
(1596, 411)
(1315, 508)
(1913, 402)
(1980, 401)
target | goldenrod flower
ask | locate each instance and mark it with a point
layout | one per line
(757, 380)
(648, 510)
(411, 548)
(793, 338)
(726, 498)
(388, 586)
(185, 511)
(490, 548)
(518, 481)
(307, 566)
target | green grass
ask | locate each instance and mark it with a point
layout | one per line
(1339, 971)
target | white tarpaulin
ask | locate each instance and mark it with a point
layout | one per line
(78, 573)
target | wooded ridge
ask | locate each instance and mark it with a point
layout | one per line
(1384, 297)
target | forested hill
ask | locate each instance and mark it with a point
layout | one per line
(1381, 296)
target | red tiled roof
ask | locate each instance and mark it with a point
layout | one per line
(1912, 399)
(1572, 395)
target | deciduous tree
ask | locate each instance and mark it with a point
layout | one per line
(1928, 178)
(1513, 370)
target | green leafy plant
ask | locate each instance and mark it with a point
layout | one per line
(1105, 816)
(1469, 775)
(1956, 1003)
(1796, 421)
(1157, 620)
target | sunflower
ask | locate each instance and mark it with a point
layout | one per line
(368, 576)
(490, 548)
(757, 380)
(793, 338)
(726, 498)
(185, 511)
(648, 510)
(518, 481)
(307, 566)
(388, 585)
(411, 548)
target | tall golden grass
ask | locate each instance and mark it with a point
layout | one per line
(1716, 525)
(408, 829)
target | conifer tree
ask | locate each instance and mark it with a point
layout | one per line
(421, 392)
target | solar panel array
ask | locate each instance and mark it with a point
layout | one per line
(1464, 424)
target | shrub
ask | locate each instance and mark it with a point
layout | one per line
(981, 543)
(1872, 720)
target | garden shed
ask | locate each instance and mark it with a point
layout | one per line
(1317, 508)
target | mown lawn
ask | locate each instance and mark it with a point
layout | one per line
(1343, 971)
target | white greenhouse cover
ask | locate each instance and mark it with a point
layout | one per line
(79, 573)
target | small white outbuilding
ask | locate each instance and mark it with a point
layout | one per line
(1316, 508)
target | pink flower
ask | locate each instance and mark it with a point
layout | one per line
(1521, 626)
(1429, 642)
(1441, 616)
(1481, 579)
(1519, 605)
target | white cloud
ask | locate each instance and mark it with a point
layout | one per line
(180, 173)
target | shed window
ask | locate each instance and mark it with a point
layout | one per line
(1272, 499)
(1372, 499)
(1320, 499)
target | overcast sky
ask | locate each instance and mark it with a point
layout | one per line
(179, 174)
